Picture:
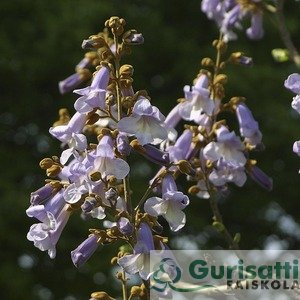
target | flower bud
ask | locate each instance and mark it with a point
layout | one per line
(100, 296)
(126, 70)
(132, 37)
(185, 167)
(46, 163)
(135, 290)
(93, 42)
(53, 171)
(207, 62)
(193, 190)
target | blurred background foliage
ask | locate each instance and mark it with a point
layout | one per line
(40, 45)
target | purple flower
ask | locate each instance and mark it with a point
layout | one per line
(152, 153)
(248, 126)
(198, 105)
(292, 83)
(138, 262)
(182, 146)
(296, 147)
(123, 144)
(224, 173)
(212, 8)
(74, 192)
(296, 103)
(42, 194)
(228, 147)
(170, 206)
(146, 123)
(64, 132)
(70, 83)
(53, 205)
(255, 32)
(125, 226)
(89, 204)
(84, 63)
(261, 178)
(93, 96)
(84, 251)
(106, 163)
(46, 235)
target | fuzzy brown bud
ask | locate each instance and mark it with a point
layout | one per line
(53, 171)
(101, 296)
(220, 78)
(207, 62)
(46, 163)
(193, 190)
(135, 290)
(126, 70)
(95, 176)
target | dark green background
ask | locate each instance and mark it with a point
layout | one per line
(40, 45)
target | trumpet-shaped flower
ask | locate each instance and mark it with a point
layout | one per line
(94, 95)
(292, 83)
(84, 251)
(106, 163)
(46, 235)
(170, 206)
(224, 174)
(228, 147)
(249, 128)
(296, 103)
(146, 123)
(198, 104)
(139, 261)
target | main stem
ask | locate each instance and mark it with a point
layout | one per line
(119, 108)
(217, 217)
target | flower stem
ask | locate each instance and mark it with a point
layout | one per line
(217, 217)
(117, 67)
(285, 34)
(144, 198)
(124, 286)
(119, 108)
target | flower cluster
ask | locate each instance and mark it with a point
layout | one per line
(110, 122)
(293, 84)
(229, 14)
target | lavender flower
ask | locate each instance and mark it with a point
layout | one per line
(70, 83)
(181, 148)
(54, 206)
(228, 147)
(296, 103)
(248, 126)
(170, 206)
(198, 105)
(46, 235)
(224, 173)
(84, 251)
(93, 96)
(106, 163)
(138, 262)
(42, 194)
(293, 83)
(228, 15)
(125, 226)
(256, 32)
(261, 178)
(146, 123)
